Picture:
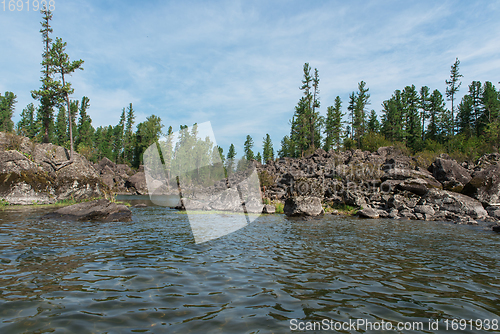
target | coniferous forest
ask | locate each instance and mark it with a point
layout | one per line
(415, 119)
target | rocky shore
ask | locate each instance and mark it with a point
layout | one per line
(382, 184)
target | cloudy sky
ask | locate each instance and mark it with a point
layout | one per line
(238, 64)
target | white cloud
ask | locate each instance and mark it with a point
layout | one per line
(239, 64)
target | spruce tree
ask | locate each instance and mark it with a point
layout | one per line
(452, 89)
(333, 125)
(7, 103)
(231, 155)
(61, 128)
(49, 93)
(27, 126)
(268, 152)
(424, 107)
(248, 145)
(413, 119)
(437, 111)
(84, 128)
(373, 123)
(128, 145)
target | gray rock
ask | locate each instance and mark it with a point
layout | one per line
(456, 203)
(303, 206)
(453, 176)
(15, 162)
(424, 209)
(485, 186)
(98, 210)
(138, 182)
(268, 208)
(369, 213)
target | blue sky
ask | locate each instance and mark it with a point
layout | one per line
(238, 64)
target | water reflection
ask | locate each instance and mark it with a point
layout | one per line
(148, 275)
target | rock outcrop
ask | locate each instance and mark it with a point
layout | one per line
(98, 210)
(41, 173)
(485, 186)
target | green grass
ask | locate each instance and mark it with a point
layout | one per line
(342, 209)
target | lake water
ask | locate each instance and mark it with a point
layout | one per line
(149, 276)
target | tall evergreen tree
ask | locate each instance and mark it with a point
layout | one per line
(148, 132)
(27, 126)
(248, 148)
(128, 145)
(362, 100)
(258, 157)
(268, 152)
(286, 149)
(452, 89)
(61, 128)
(351, 108)
(373, 123)
(7, 103)
(59, 59)
(424, 107)
(475, 92)
(333, 125)
(85, 131)
(413, 118)
(231, 155)
(490, 109)
(49, 93)
(394, 118)
(437, 110)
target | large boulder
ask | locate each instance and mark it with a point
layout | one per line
(456, 203)
(369, 213)
(98, 210)
(485, 186)
(228, 200)
(303, 206)
(138, 182)
(14, 161)
(453, 176)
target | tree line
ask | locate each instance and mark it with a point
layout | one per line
(416, 119)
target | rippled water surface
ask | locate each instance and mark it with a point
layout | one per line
(148, 275)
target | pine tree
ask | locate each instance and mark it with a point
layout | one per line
(351, 108)
(475, 92)
(148, 132)
(128, 145)
(424, 107)
(490, 109)
(437, 111)
(268, 152)
(286, 149)
(49, 93)
(465, 119)
(231, 155)
(7, 103)
(85, 130)
(27, 126)
(59, 59)
(373, 123)
(61, 128)
(362, 100)
(248, 148)
(333, 125)
(413, 119)
(258, 157)
(394, 118)
(453, 87)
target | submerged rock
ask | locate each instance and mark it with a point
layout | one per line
(98, 210)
